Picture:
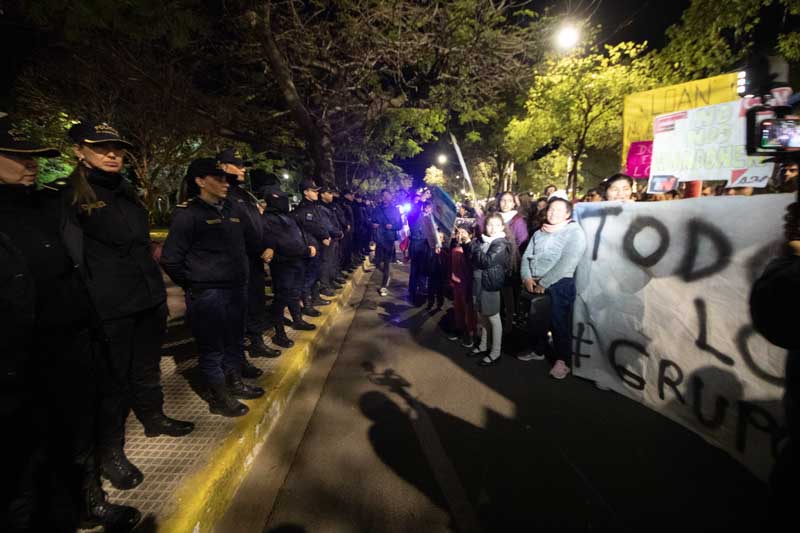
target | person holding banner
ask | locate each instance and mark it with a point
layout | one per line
(548, 269)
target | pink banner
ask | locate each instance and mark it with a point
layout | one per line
(639, 156)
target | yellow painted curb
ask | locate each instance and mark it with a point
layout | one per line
(204, 497)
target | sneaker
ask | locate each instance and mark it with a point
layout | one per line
(601, 386)
(383, 291)
(560, 370)
(468, 341)
(452, 337)
(532, 356)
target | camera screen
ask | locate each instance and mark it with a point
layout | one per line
(780, 133)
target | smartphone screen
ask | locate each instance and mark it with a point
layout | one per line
(780, 133)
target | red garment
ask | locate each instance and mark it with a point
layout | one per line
(461, 282)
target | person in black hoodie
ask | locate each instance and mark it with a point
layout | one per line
(50, 386)
(128, 292)
(247, 203)
(205, 253)
(386, 222)
(290, 249)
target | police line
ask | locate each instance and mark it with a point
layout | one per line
(662, 315)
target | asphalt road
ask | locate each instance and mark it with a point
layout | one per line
(405, 433)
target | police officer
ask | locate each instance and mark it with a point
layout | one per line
(330, 255)
(128, 292)
(291, 249)
(256, 321)
(345, 224)
(347, 202)
(308, 215)
(386, 222)
(49, 385)
(205, 253)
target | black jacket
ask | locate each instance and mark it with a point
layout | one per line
(309, 217)
(331, 220)
(123, 276)
(381, 216)
(205, 247)
(247, 205)
(284, 236)
(348, 210)
(494, 264)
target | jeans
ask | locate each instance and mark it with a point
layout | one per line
(384, 256)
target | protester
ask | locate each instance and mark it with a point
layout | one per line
(247, 204)
(206, 254)
(619, 187)
(774, 292)
(438, 262)
(419, 244)
(128, 292)
(464, 317)
(491, 263)
(49, 398)
(550, 189)
(789, 176)
(593, 195)
(548, 267)
(386, 222)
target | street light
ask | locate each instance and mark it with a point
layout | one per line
(567, 37)
(442, 159)
(285, 176)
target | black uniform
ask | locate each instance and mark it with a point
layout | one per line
(246, 204)
(309, 217)
(205, 253)
(330, 254)
(348, 244)
(129, 294)
(284, 236)
(385, 238)
(46, 355)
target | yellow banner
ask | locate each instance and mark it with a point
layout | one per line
(641, 108)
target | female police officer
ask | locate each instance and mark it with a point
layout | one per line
(49, 387)
(128, 292)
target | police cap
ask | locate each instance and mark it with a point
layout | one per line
(307, 184)
(232, 157)
(87, 132)
(13, 142)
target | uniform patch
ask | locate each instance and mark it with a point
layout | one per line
(214, 221)
(88, 208)
(309, 216)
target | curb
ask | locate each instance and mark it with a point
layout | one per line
(204, 497)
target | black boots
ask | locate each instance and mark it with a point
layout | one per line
(257, 348)
(239, 389)
(222, 403)
(160, 424)
(98, 511)
(302, 325)
(115, 467)
(249, 370)
(320, 302)
(280, 337)
(308, 308)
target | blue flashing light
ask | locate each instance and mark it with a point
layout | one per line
(405, 208)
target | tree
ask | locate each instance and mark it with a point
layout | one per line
(576, 102)
(714, 37)
(434, 177)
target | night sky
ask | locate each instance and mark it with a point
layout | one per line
(622, 20)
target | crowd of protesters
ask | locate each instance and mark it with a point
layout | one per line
(84, 300)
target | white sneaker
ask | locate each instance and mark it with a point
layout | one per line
(533, 356)
(383, 291)
(452, 337)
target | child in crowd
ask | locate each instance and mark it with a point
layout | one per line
(461, 284)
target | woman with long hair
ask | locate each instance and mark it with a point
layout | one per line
(128, 291)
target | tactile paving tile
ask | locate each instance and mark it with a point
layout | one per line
(167, 461)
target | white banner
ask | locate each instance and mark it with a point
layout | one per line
(662, 315)
(706, 143)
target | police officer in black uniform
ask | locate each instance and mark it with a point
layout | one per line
(347, 203)
(329, 277)
(345, 224)
(256, 321)
(308, 215)
(290, 249)
(49, 383)
(205, 253)
(128, 292)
